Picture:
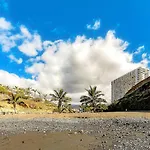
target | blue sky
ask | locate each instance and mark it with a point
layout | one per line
(121, 26)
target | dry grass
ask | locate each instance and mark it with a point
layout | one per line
(82, 115)
(41, 107)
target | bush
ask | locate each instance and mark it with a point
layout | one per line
(37, 99)
(55, 110)
(3, 90)
(101, 108)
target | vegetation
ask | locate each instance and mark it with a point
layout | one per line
(61, 98)
(93, 100)
(66, 106)
(23, 100)
(85, 108)
(14, 97)
(31, 99)
(3, 89)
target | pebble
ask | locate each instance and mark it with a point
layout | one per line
(124, 133)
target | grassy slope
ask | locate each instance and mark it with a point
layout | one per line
(41, 107)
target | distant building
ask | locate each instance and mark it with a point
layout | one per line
(121, 85)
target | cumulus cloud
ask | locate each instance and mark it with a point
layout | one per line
(71, 65)
(25, 32)
(31, 47)
(7, 41)
(5, 25)
(30, 44)
(76, 65)
(145, 59)
(14, 80)
(13, 58)
(144, 55)
(95, 26)
(139, 49)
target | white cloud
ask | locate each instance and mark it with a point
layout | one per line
(5, 25)
(25, 32)
(14, 80)
(70, 65)
(139, 50)
(81, 63)
(34, 60)
(31, 47)
(95, 26)
(30, 43)
(145, 62)
(145, 59)
(13, 58)
(144, 55)
(6, 41)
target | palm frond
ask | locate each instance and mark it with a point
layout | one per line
(63, 95)
(53, 95)
(98, 92)
(94, 89)
(54, 99)
(61, 91)
(98, 95)
(57, 93)
(101, 100)
(84, 99)
(17, 98)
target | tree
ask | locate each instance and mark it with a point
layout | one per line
(60, 97)
(93, 99)
(85, 108)
(101, 108)
(28, 91)
(14, 97)
(66, 106)
(45, 96)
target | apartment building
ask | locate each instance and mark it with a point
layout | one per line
(121, 85)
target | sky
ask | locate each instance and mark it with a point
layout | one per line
(53, 44)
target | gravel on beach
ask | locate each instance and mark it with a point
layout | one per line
(109, 134)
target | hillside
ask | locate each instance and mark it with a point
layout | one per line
(138, 98)
(28, 103)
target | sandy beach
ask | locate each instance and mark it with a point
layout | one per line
(75, 131)
(48, 141)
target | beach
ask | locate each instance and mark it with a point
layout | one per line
(48, 132)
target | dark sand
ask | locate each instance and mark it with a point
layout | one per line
(103, 131)
(49, 141)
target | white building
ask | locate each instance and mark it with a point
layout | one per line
(121, 85)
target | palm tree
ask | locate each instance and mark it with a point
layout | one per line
(28, 91)
(14, 97)
(66, 106)
(45, 96)
(93, 99)
(59, 96)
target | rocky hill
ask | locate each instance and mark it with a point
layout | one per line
(29, 101)
(138, 98)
